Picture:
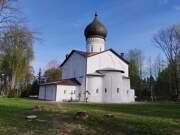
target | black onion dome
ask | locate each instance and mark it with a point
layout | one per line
(95, 29)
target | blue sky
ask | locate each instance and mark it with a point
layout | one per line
(131, 24)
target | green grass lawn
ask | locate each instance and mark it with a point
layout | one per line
(161, 118)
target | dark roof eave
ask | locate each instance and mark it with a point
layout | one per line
(67, 58)
(94, 75)
(110, 70)
(125, 77)
(58, 84)
(119, 56)
(123, 59)
(97, 36)
(70, 82)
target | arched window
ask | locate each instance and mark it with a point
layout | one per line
(105, 90)
(97, 90)
(117, 90)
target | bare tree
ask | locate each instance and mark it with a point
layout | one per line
(168, 40)
(52, 64)
(9, 13)
(135, 58)
(158, 65)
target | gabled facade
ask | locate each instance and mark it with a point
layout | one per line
(102, 74)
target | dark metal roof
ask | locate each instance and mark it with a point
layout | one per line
(122, 58)
(125, 77)
(88, 54)
(72, 82)
(95, 29)
(95, 74)
(110, 70)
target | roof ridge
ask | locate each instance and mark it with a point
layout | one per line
(89, 54)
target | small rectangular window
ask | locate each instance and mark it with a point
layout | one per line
(117, 90)
(105, 90)
(64, 91)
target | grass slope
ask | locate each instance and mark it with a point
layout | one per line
(129, 119)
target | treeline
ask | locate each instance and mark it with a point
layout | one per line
(157, 79)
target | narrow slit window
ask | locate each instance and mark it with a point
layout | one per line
(117, 90)
(91, 49)
(97, 90)
(105, 90)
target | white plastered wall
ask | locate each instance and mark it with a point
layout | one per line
(75, 67)
(106, 60)
(66, 92)
(111, 82)
(95, 44)
(95, 88)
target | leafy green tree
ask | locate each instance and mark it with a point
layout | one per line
(16, 55)
(162, 85)
(31, 89)
(53, 72)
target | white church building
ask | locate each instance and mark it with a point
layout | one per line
(95, 75)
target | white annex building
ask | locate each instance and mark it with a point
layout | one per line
(96, 75)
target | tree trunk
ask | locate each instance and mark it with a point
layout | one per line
(13, 82)
(174, 80)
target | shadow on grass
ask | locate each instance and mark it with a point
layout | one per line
(162, 110)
